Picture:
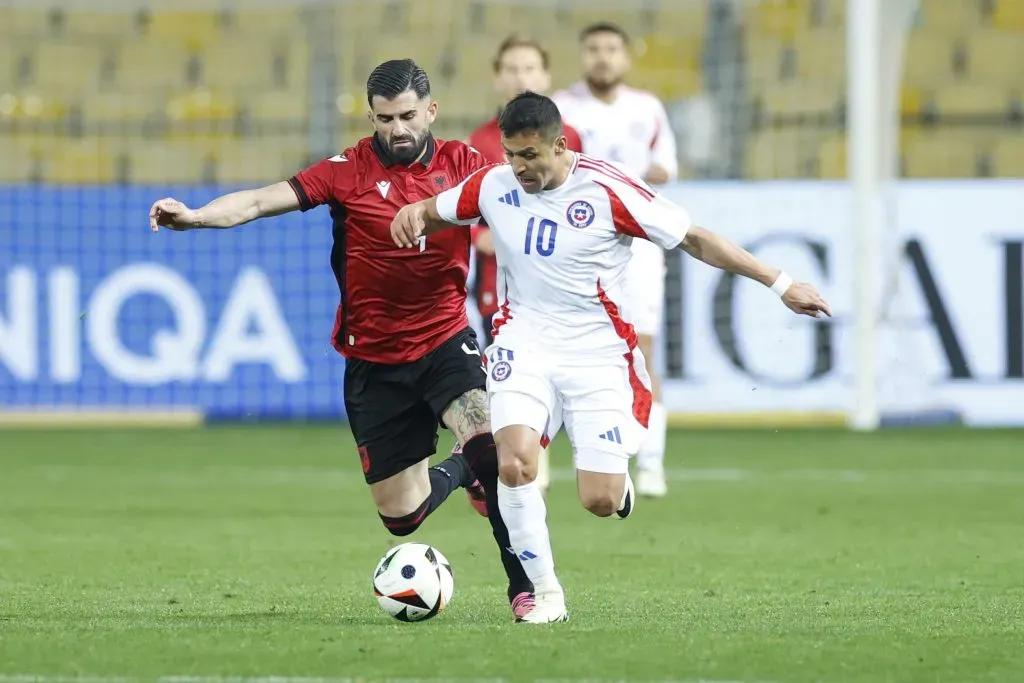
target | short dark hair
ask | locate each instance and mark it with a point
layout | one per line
(394, 77)
(604, 27)
(518, 40)
(530, 112)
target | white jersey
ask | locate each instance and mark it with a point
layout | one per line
(562, 254)
(633, 130)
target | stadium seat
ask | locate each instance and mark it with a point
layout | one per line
(73, 162)
(65, 65)
(199, 109)
(145, 64)
(237, 64)
(1008, 156)
(830, 13)
(832, 157)
(152, 162)
(258, 161)
(19, 22)
(785, 19)
(278, 107)
(821, 55)
(119, 107)
(107, 24)
(965, 98)
(780, 154)
(948, 15)
(996, 57)
(792, 98)
(1009, 14)
(941, 155)
(928, 59)
(763, 60)
(18, 159)
(28, 107)
(191, 30)
(265, 22)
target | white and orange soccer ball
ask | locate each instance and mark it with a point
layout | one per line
(413, 582)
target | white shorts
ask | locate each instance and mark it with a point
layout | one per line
(645, 288)
(604, 406)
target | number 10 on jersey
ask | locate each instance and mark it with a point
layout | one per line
(543, 238)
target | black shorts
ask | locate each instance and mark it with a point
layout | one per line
(394, 410)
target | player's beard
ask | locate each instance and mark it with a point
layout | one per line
(406, 154)
(603, 85)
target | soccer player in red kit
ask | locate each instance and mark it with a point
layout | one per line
(520, 64)
(413, 361)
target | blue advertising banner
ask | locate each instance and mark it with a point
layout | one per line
(98, 312)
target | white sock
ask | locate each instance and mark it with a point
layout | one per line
(525, 515)
(652, 450)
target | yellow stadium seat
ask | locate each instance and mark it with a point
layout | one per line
(67, 65)
(1008, 156)
(941, 155)
(911, 100)
(145, 64)
(21, 21)
(949, 15)
(119, 107)
(996, 57)
(19, 159)
(779, 154)
(29, 107)
(821, 55)
(764, 60)
(928, 59)
(201, 104)
(238, 63)
(258, 161)
(72, 162)
(109, 23)
(1009, 14)
(832, 157)
(276, 106)
(191, 30)
(828, 13)
(968, 97)
(799, 97)
(784, 19)
(153, 162)
(265, 22)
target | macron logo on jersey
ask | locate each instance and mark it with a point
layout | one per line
(510, 198)
(612, 435)
(383, 186)
(338, 158)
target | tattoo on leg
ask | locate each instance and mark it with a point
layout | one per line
(467, 416)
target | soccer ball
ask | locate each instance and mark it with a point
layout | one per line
(413, 582)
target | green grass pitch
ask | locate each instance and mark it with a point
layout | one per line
(778, 556)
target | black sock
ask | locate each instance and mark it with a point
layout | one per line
(445, 477)
(482, 455)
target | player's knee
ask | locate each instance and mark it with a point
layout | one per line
(405, 525)
(518, 448)
(600, 503)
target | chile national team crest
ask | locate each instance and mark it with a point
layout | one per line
(580, 214)
(501, 371)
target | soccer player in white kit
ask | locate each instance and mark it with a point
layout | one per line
(629, 126)
(562, 225)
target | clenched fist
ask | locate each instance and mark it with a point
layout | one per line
(170, 213)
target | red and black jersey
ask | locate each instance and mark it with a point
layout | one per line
(397, 305)
(487, 140)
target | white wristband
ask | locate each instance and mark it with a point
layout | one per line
(782, 283)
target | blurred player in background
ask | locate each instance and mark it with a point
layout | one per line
(562, 350)
(520, 64)
(412, 358)
(629, 126)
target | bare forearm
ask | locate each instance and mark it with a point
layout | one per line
(432, 218)
(243, 207)
(721, 253)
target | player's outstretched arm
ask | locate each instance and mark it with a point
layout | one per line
(227, 211)
(415, 220)
(717, 251)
